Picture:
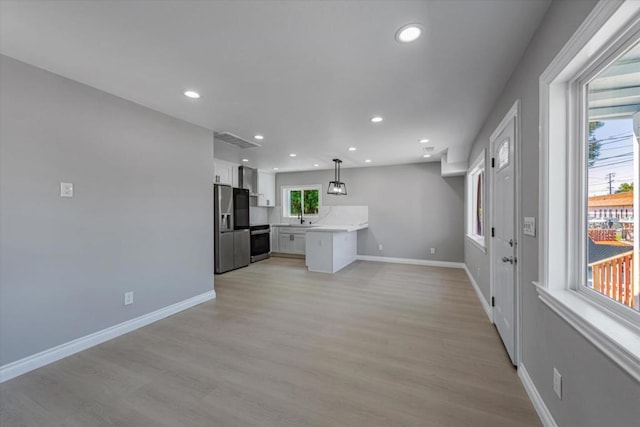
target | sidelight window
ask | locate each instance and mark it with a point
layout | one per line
(476, 201)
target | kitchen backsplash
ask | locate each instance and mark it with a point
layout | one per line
(328, 215)
(258, 215)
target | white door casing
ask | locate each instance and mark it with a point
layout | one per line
(503, 247)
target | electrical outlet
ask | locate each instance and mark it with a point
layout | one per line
(128, 298)
(557, 383)
(433, 251)
(380, 247)
(66, 189)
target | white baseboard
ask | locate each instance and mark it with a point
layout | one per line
(411, 261)
(35, 361)
(536, 399)
(483, 301)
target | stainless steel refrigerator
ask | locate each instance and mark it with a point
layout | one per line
(223, 228)
(231, 238)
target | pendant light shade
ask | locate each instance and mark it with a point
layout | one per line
(337, 187)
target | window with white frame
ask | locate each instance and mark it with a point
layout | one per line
(476, 201)
(589, 168)
(301, 200)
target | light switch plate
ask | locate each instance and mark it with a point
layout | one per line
(66, 189)
(557, 383)
(529, 226)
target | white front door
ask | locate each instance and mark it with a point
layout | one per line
(504, 236)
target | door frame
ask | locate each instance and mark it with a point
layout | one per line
(513, 113)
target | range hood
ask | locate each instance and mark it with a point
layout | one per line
(248, 179)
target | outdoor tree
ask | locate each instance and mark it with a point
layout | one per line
(311, 202)
(296, 202)
(305, 202)
(625, 187)
(594, 144)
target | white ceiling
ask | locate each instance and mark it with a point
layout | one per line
(308, 75)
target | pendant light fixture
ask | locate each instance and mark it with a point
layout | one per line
(337, 187)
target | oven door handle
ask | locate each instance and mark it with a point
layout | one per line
(255, 233)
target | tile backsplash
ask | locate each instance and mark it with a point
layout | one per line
(328, 215)
(258, 215)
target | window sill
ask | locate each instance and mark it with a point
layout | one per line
(614, 336)
(477, 242)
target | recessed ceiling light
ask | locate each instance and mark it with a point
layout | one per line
(426, 155)
(352, 148)
(245, 160)
(409, 33)
(376, 119)
(258, 137)
(316, 165)
(424, 141)
(292, 155)
(191, 94)
(368, 161)
(275, 169)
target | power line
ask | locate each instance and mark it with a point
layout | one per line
(620, 162)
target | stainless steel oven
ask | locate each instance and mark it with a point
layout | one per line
(260, 242)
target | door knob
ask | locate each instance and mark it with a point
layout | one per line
(507, 259)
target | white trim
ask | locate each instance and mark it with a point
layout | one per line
(477, 241)
(536, 399)
(479, 165)
(35, 361)
(512, 114)
(485, 305)
(411, 261)
(614, 336)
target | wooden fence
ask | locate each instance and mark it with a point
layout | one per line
(613, 277)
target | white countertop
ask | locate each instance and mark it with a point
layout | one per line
(336, 228)
(295, 225)
(327, 228)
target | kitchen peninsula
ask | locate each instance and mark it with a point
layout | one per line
(329, 249)
(330, 243)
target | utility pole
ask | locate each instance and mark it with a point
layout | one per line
(610, 179)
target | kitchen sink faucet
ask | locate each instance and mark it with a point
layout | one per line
(300, 217)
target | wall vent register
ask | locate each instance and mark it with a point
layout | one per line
(232, 139)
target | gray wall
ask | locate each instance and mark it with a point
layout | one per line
(411, 208)
(595, 391)
(141, 218)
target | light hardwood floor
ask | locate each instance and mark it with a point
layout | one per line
(373, 345)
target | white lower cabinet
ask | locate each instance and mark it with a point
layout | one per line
(298, 245)
(284, 243)
(275, 244)
(291, 242)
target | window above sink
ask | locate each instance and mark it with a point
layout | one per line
(302, 200)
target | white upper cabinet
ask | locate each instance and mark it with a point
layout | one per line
(266, 189)
(225, 173)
